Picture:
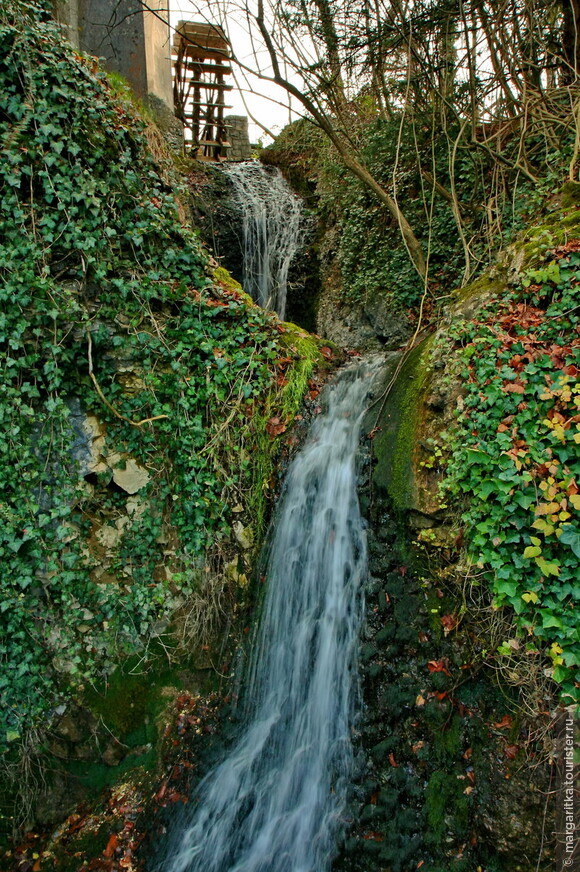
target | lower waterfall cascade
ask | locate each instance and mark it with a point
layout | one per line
(275, 803)
(272, 230)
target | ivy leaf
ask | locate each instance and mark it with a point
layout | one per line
(548, 568)
(543, 527)
(532, 551)
(530, 597)
(570, 536)
(550, 620)
(487, 488)
(507, 588)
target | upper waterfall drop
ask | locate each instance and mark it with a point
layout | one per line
(272, 230)
(276, 803)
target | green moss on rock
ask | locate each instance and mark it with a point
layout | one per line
(396, 440)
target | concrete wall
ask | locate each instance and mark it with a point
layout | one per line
(136, 43)
(114, 31)
(133, 42)
(158, 51)
(66, 12)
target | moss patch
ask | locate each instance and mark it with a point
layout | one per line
(395, 442)
(303, 356)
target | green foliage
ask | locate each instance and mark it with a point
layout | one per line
(94, 263)
(371, 253)
(516, 454)
(283, 405)
(420, 167)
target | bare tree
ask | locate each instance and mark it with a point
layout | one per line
(494, 78)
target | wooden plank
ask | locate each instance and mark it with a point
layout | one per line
(208, 68)
(217, 86)
(202, 39)
(201, 28)
(212, 105)
(205, 54)
(200, 43)
(196, 49)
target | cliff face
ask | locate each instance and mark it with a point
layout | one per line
(483, 419)
(137, 396)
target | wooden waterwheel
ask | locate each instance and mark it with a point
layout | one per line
(202, 61)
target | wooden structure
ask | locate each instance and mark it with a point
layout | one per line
(202, 61)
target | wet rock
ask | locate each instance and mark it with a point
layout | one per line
(376, 565)
(136, 507)
(368, 651)
(386, 634)
(68, 728)
(386, 532)
(509, 820)
(392, 329)
(114, 753)
(58, 749)
(54, 805)
(418, 521)
(84, 751)
(436, 400)
(88, 440)
(139, 751)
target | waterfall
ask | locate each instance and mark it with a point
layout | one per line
(275, 803)
(272, 230)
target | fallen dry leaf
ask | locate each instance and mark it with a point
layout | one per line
(275, 426)
(111, 846)
(438, 666)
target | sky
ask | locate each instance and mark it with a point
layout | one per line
(264, 106)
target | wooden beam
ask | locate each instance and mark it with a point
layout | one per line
(212, 105)
(213, 143)
(207, 68)
(192, 53)
(218, 86)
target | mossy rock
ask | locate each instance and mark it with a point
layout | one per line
(569, 195)
(396, 441)
(222, 277)
(476, 294)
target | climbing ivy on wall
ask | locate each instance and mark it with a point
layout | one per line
(101, 282)
(516, 456)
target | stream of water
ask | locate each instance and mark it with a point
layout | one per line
(272, 230)
(275, 803)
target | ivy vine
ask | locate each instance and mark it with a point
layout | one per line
(107, 309)
(516, 455)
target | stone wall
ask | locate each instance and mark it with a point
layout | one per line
(239, 137)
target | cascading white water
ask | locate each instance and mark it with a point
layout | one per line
(275, 803)
(272, 230)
